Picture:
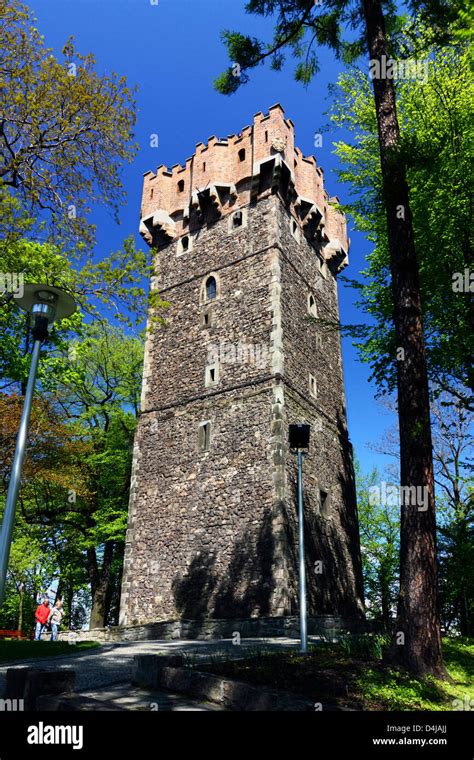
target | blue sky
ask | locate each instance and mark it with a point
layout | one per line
(172, 51)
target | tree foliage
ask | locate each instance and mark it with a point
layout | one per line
(64, 129)
(435, 117)
(74, 495)
(301, 26)
(379, 537)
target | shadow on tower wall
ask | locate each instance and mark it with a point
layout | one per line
(247, 587)
(338, 588)
(245, 590)
(349, 516)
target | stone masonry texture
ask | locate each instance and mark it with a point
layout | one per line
(212, 530)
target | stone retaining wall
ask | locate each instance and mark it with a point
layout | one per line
(164, 672)
(266, 627)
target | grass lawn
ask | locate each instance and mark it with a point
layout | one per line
(351, 674)
(12, 651)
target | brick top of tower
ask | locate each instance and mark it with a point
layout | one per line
(227, 173)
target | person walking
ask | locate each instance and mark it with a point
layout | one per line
(41, 616)
(55, 617)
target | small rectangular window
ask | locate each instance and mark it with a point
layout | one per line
(313, 388)
(237, 219)
(312, 308)
(212, 375)
(295, 230)
(324, 503)
(204, 436)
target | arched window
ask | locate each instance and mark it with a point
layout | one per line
(242, 154)
(211, 288)
(180, 185)
(185, 244)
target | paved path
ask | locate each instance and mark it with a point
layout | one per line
(112, 664)
(132, 698)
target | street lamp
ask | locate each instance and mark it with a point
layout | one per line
(44, 303)
(298, 439)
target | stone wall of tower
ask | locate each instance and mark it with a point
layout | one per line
(200, 530)
(213, 533)
(312, 346)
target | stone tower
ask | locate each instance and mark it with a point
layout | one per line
(248, 249)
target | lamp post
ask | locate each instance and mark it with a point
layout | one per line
(44, 303)
(298, 440)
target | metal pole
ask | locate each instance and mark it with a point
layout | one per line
(302, 574)
(14, 484)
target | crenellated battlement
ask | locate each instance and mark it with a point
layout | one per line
(226, 174)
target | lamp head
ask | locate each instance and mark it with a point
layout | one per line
(45, 303)
(298, 436)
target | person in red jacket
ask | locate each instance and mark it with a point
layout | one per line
(41, 616)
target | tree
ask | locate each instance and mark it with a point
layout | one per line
(64, 129)
(76, 478)
(379, 525)
(435, 116)
(33, 558)
(298, 24)
(31, 569)
(452, 442)
(65, 132)
(452, 446)
(115, 285)
(103, 399)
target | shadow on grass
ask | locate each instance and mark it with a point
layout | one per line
(357, 680)
(14, 651)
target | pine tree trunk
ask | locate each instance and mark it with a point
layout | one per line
(417, 641)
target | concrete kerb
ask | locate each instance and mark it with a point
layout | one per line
(167, 672)
(31, 683)
(75, 702)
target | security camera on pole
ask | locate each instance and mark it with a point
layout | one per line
(298, 439)
(44, 303)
